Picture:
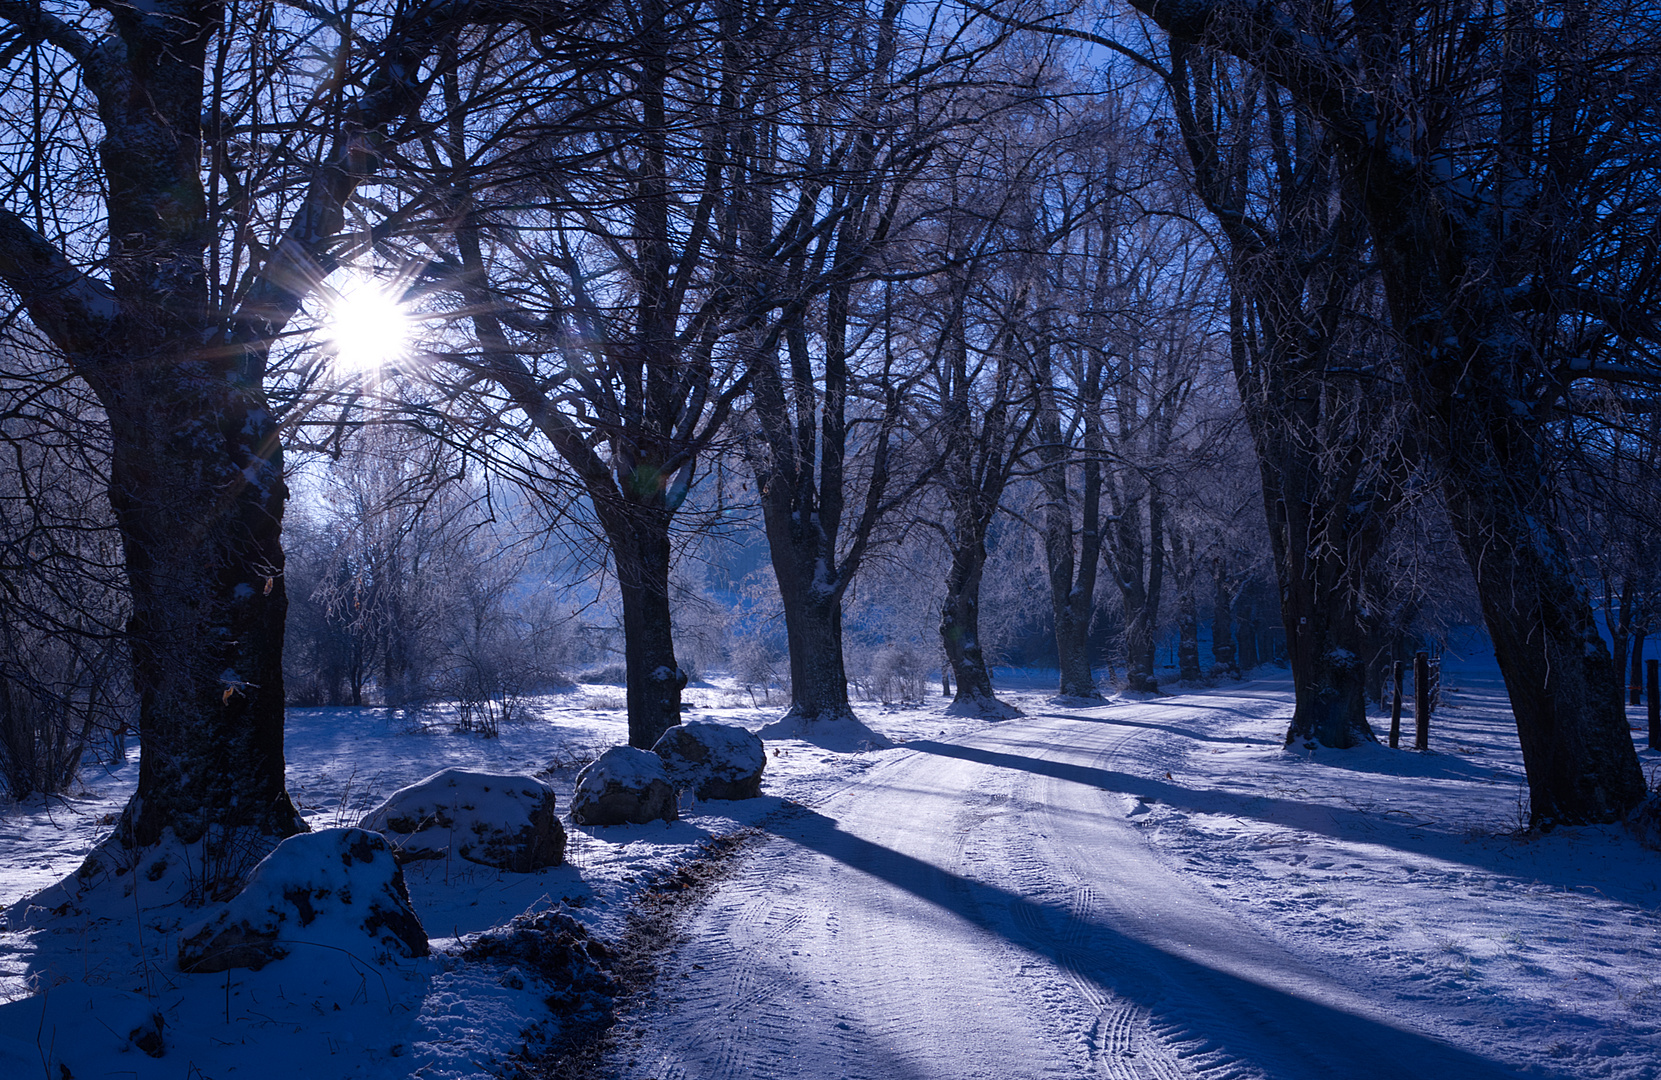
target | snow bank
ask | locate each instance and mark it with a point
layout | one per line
(337, 889)
(983, 708)
(493, 819)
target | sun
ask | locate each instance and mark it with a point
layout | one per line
(367, 328)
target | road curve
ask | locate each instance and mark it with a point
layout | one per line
(986, 907)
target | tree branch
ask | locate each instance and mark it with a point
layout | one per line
(73, 310)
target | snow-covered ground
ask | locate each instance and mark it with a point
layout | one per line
(1142, 889)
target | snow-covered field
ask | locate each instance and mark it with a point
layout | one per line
(1147, 888)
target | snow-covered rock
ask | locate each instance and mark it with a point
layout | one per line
(335, 889)
(623, 786)
(494, 819)
(713, 761)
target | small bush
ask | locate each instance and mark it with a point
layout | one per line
(610, 675)
(53, 702)
(757, 667)
(897, 676)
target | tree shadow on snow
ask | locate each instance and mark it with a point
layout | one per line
(1250, 1019)
(1335, 822)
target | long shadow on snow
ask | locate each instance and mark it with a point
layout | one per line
(1403, 763)
(1339, 823)
(1236, 1015)
(1186, 733)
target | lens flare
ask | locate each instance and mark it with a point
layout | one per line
(367, 327)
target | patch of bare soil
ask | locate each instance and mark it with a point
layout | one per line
(599, 983)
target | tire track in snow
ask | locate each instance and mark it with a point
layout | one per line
(985, 908)
(1119, 1039)
(1222, 999)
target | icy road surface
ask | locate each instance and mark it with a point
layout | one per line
(989, 907)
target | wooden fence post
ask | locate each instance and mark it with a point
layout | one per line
(1634, 690)
(1654, 681)
(1395, 708)
(1421, 700)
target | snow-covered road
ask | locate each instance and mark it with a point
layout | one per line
(988, 907)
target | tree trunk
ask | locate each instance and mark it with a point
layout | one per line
(1131, 556)
(1318, 607)
(960, 627)
(1331, 686)
(639, 541)
(818, 673)
(812, 611)
(197, 488)
(1620, 625)
(1223, 655)
(1188, 637)
(1564, 688)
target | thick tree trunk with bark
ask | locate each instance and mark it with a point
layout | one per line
(812, 611)
(639, 541)
(197, 488)
(1323, 646)
(818, 674)
(1564, 687)
(960, 627)
(1319, 596)
(1460, 251)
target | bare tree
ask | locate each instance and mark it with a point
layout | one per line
(975, 406)
(1316, 375)
(826, 382)
(1070, 226)
(192, 194)
(1504, 160)
(982, 417)
(619, 258)
(1159, 341)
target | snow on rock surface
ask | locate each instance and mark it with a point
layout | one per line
(493, 819)
(714, 761)
(623, 786)
(336, 889)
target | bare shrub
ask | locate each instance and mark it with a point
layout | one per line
(757, 666)
(896, 674)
